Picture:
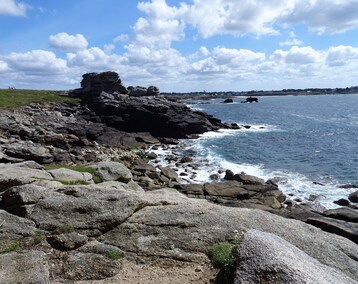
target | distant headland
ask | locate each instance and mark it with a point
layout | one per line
(284, 92)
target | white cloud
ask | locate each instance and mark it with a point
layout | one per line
(292, 40)
(94, 59)
(13, 8)
(163, 25)
(40, 62)
(3, 66)
(121, 37)
(166, 23)
(66, 42)
(341, 55)
(325, 16)
(237, 17)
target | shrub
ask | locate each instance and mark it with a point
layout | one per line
(114, 254)
(223, 256)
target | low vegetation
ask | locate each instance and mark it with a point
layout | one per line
(114, 254)
(38, 237)
(10, 98)
(11, 246)
(74, 182)
(223, 256)
(68, 228)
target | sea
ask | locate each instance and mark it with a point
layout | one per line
(309, 142)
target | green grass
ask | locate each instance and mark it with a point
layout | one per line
(38, 237)
(78, 168)
(17, 98)
(114, 254)
(13, 246)
(68, 228)
(74, 182)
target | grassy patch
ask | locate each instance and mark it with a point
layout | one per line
(75, 182)
(68, 228)
(81, 169)
(17, 98)
(223, 256)
(38, 237)
(12, 246)
(114, 254)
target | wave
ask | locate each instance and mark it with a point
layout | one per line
(296, 186)
(231, 132)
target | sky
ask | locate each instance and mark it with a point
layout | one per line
(180, 46)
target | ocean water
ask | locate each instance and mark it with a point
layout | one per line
(311, 142)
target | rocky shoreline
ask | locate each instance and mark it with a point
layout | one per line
(127, 219)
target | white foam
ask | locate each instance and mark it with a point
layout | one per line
(294, 185)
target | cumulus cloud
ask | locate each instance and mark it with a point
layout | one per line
(36, 62)
(325, 16)
(13, 8)
(95, 59)
(163, 24)
(341, 55)
(242, 17)
(66, 42)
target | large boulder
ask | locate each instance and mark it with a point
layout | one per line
(173, 226)
(68, 175)
(267, 258)
(108, 171)
(353, 197)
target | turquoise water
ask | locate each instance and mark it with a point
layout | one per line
(304, 139)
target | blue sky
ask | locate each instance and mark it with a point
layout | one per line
(189, 45)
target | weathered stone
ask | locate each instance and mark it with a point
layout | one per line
(13, 176)
(29, 267)
(339, 227)
(353, 197)
(341, 202)
(29, 151)
(67, 241)
(68, 175)
(108, 171)
(345, 214)
(86, 208)
(174, 226)
(267, 258)
(170, 173)
(248, 179)
(89, 266)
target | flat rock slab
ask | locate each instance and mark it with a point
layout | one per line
(69, 175)
(267, 258)
(343, 228)
(11, 176)
(174, 226)
(28, 267)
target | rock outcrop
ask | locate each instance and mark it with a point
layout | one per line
(142, 110)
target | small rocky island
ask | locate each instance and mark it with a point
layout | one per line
(81, 201)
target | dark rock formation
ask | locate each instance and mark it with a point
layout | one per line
(353, 197)
(140, 111)
(228, 101)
